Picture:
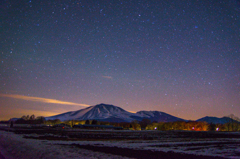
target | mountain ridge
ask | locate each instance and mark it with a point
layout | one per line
(111, 113)
(108, 112)
(216, 120)
(159, 116)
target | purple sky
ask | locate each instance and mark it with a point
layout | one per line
(179, 57)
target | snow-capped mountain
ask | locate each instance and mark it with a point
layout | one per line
(158, 116)
(101, 112)
(216, 120)
(111, 113)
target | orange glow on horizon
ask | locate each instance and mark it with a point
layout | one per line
(21, 112)
(18, 113)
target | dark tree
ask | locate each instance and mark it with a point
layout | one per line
(144, 123)
(24, 117)
(56, 121)
(21, 121)
(32, 117)
(40, 120)
(87, 122)
(11, 125)
(235, 121)
(130, 126)
(135, 125)
(94, 122)
(212, 127)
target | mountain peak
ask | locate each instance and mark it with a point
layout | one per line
(107, 107)
(111, 113)
(101, 112)
(101, 105)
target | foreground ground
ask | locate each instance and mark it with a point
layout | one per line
(69, 143)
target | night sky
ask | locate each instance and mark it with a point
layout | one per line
(179, 57)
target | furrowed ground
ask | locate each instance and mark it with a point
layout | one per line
(133, 144)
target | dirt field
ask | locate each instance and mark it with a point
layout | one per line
(136, 144)
(85, 134)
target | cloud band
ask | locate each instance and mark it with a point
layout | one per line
(42, 100)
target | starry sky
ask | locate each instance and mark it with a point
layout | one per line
(179, 57)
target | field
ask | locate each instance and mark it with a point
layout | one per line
(80, 143)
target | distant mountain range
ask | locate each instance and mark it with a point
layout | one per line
(216, 120)
(158, 116)
(111, 113)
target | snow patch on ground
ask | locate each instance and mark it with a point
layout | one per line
(15, 146)
(216, 147)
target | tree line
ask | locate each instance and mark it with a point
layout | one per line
(31, 120)
(145, 124)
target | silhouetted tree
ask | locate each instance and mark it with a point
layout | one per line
(152, 126)
(40, 120)
(11, 125)
(212, 127)
(21, 121)
(235, 122)
(87, 122)
(32, 117)
(220, 127)
(94, 122)
(125, 125)
(144, 123)
(56, 121)
(230, 122)
(24, 117)
(135, 125)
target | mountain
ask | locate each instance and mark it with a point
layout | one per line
(111, 113)
(158, 116)
(215, 120)
(101, 112)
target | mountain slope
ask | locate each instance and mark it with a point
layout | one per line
(111, 113)
(102, 112)
(158, 116)
(216, 120)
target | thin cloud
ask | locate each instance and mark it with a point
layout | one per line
(42, 100)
